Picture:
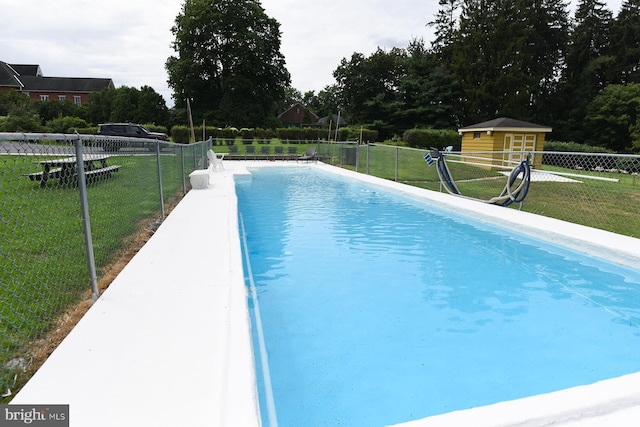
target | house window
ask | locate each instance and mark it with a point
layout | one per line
(44, 97)
(62, 98)
(476, 135)
(77, 100)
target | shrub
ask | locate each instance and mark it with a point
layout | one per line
(66, 124)
(91, 130)
(573, 147)
(152, 127)
(290, 133)
(426, 138)
(180, 134)
(579, 161)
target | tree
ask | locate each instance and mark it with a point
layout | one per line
(18, 113)
(612, 118)
(368, 86)
(446, 27)
(98, 109)
(66, 124)
(125, 105)
(151, 107)
(588, 62)
(427, 92)
(325, 103)
(625, 43)
(11, 99)
(228, 62)
(50, 110)
(507, 55)
(291, 96)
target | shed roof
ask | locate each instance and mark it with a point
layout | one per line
(505, 124)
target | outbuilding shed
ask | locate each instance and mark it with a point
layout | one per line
(504, 141)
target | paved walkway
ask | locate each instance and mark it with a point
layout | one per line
(168, 343)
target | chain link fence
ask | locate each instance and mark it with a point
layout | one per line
(596, 190)
(64, 222)
(61, 230)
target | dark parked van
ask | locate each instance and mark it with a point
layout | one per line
(129, 130)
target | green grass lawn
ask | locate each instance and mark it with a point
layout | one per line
(611, 206)
(43, 263)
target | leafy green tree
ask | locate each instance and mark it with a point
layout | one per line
(625, 43)
(18, 113)
(151, 107)
(49, 110)
(446, 25)
(125, 105)
(228, 62)
(327, 102)
(368, 86)
(612, 118)
(587, 71)
(66, 124)
(11, 99)
(98, 108)
(291, 96)
(507, 55)
(427, 92)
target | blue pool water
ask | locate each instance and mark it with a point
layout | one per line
(378, 309)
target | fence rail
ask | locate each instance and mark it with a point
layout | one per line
(71, 205)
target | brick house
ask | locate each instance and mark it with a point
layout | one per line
(29, 80)
(298, 116)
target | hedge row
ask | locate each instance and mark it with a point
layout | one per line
(427, 138)
(180, 134)
(92, 130)
(573, 147)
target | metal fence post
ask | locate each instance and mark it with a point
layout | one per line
(184, 180)
(86, 223)
(367, 167)
(160, 181)
(357, 155)
(397, 155)
(195, 160)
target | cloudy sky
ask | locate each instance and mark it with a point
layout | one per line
(129, 41)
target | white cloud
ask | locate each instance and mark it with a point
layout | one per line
(318, 35)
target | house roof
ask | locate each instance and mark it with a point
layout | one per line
(27, 70)
(312, 115)
(8, 76)
(29, 78)
(64, 84)
(505, 124)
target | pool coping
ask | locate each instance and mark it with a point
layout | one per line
(168, 343)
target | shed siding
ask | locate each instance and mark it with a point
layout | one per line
(496, 143)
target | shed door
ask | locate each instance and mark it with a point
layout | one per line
(515, 147)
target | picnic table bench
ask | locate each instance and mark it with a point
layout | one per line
(65, 169)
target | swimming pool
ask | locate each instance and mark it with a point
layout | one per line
(369, 320)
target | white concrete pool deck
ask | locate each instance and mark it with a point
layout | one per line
(168, 343)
